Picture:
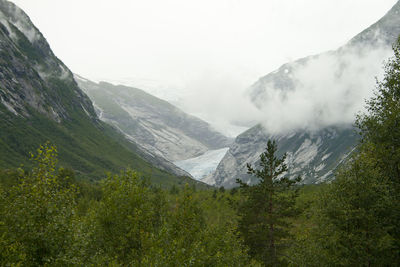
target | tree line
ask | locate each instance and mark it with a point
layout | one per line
(49, 218)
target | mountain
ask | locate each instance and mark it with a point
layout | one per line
(40, 101)
(154, 124)
(381, 35)
(312, 155)
(314, 152)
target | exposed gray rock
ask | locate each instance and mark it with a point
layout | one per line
(34, 82)
(30, 73)
(159, 127)
(312, 155)
(379, 35)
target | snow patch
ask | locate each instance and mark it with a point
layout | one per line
(22, 22)
(84, 109)
(325, 176)
(320, 167)
(6, 24)
(80, 78)
(326, 156)
(64, 72)
(29, 32)
(99, 111)
(306, 153)
(9, 107)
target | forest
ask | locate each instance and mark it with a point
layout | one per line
(50, 218)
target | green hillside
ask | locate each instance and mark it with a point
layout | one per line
(40, 101)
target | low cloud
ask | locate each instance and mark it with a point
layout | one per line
(329, 89)
(219, 98)
(326, 90)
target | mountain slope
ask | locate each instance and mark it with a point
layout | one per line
(313, 155)
(333, 79)
(40, 101)
(378, 36)
(154, 124)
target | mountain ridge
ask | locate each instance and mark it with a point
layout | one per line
(282, 82)
(40, 101)
(155, 124)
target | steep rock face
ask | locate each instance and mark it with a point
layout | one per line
(31, 75)
(386, 30)
(378, 36)
(312, 155)
(40, 101)
(154, 124)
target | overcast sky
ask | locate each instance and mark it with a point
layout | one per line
(187, 46)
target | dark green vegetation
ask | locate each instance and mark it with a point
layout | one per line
(265, 210)
(90, 148)
(50, 218)
(355, 220)
(47, 218)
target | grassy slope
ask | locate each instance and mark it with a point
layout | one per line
(90, 148)
(87, 145)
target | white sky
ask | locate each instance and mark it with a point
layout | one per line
(214, 46)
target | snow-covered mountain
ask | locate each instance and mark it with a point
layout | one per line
(315, 100)
(154, 124)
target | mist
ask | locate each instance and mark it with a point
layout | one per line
(329, 90)
(203, 55)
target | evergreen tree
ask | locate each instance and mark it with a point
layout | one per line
(358, 215)
(354, 217)
(264, 212)
(380, 131)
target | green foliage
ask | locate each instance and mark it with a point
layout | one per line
(380, 127)
(49, 216)
(380, 131)
(121, 226)
(188, 240)
(349, 222)
(265, 210)
(122, 221)
(353, 217)
(89, 148)
(354, 221)
(37, 214)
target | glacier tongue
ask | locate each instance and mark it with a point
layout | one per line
(200, 167)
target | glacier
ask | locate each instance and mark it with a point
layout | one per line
(202, 166)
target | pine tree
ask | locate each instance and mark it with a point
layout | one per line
(266, 208)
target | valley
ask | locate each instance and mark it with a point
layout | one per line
(100, 173)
